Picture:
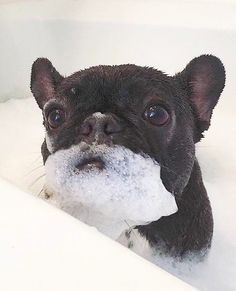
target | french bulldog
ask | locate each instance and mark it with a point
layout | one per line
(119, 150)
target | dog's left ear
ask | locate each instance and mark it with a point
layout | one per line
(203, 79)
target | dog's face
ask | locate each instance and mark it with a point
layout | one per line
(131, 125)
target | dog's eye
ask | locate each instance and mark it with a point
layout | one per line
(55, 118)
(156, 115)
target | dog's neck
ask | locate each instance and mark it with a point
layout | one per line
(190, 228)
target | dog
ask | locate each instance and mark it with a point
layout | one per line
(119, 150)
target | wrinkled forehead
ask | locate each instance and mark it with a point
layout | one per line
(116, 85)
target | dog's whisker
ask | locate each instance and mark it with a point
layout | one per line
(36, 180)
(40, 192)
(135, 236)
(127, 224)
(33, 170)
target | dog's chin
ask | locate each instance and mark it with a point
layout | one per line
(108, 185)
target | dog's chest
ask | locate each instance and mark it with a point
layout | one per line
(121, 231)
(132, 239)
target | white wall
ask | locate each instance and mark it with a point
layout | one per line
(78, 34)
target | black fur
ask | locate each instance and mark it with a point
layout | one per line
(123, 92)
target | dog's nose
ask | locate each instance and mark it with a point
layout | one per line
(100, 126)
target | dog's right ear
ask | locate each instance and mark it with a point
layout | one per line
(44, 80)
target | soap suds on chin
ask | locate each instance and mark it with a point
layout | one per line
(128, 188)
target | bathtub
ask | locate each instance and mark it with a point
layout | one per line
(43, 248)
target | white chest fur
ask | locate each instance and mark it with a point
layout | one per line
(134, 241)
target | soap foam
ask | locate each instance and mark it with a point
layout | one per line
(128, 188)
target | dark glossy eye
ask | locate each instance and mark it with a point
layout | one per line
(56, 117)
(156, 115)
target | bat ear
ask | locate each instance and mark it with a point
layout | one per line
(44, 80)
(204, 80)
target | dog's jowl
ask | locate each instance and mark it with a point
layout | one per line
(119, 150)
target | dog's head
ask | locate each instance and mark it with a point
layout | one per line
(127, 124)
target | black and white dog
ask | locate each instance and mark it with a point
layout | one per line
(119, 150)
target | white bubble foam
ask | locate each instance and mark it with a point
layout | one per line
(128, 188)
